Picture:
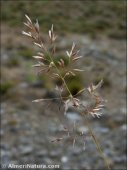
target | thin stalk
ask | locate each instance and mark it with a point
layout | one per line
(62, 78)
(98, 145)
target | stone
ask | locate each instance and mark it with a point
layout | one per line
(83, 129)
(42, 153)
(101, 129)
(64, 159)
(124, 127)
(54, 153)
(26, 150)
(73, 116)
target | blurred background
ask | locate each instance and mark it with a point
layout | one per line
(99, 30)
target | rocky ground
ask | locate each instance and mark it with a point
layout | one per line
(27, 128)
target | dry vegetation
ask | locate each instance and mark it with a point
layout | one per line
(47, 64)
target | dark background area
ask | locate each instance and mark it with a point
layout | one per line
(87, 17)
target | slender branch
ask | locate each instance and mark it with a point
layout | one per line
(95, 140)
(62, 78)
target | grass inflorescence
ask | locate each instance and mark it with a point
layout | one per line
(62, 70)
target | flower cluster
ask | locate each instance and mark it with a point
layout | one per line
(45, 62)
